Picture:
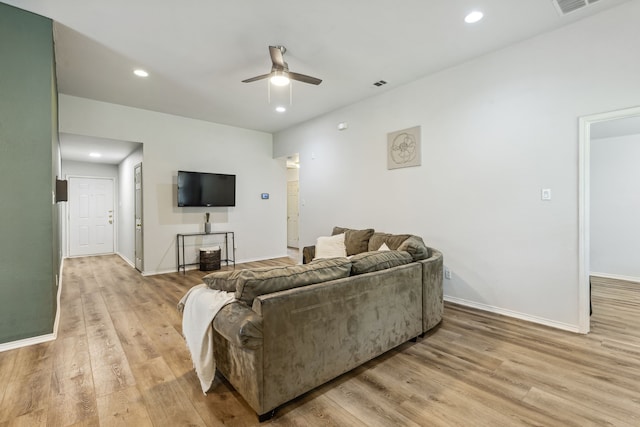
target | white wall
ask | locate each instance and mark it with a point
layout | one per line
(172, 143)
(495, 131)
(126, 206)
(86, 169)
(615, 206)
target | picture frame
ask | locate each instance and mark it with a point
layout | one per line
(404, 148)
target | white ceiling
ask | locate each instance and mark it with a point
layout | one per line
(615, 128)
(79, 147)
(198, 51)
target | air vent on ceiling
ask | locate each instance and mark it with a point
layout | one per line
(380, 83)
(567, 6)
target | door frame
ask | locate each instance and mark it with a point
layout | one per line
(115, 213)
(584, 201)
(135, 205)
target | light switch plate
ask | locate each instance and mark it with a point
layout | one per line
(546, 194)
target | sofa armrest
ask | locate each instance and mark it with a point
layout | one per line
(240, 325)
(308, 253)
(433, 302)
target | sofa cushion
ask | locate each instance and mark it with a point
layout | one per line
(219, 281)
(330, 247)
(416, 247)
(254, 282)
(393, 241)
(367, 262)
(356, 241)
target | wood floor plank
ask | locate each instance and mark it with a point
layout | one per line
(222, 405)
(111, 370)
(166, 402)
(37, 418)
(169, 341)
(120, 359)
(136, 343)
(124, 407)
(7, 363)
(26, 394)
(72, 323)
(316, 409)
(569, 412)
(72, 398)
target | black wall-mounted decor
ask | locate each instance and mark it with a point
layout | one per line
(62, 195)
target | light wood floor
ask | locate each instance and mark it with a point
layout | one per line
(120, 360)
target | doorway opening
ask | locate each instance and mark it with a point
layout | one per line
(84, 156)
(586, 127)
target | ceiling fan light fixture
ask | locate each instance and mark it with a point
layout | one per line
(280, 78)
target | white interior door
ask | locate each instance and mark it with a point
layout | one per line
(292, 214)
(90, 216)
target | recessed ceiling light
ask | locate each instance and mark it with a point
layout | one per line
(280, 109)
(95, 155)
(140, 73)
(473, 17)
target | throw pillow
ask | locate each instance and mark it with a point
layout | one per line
(330, 247)
(416, 247)
(356, 241)
(392, 240)
(255, 282)
(219, 281)
(374, 261)
(384, 247)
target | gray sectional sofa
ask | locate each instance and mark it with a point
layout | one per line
(294, 328)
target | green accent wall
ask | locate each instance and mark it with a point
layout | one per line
(29, 159)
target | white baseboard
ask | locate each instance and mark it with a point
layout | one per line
(173, 270)
(125, 259)
(57, 319)
(514, 314)
(616, 276)
(13, 345)
(242, 261)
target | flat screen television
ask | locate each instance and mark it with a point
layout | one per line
(206, 189)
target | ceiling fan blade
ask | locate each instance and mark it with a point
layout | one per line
(304, 78)
(276, 56)
(256, 78)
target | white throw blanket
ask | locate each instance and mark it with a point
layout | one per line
(199, 306)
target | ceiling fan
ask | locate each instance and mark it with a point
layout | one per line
(280, 74)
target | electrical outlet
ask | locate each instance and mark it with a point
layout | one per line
(447, 273)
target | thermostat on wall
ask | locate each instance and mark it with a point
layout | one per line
(264, 196)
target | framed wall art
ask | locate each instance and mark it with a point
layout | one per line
(403, 148)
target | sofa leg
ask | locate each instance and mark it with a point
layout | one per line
(267, 416)
(414, 339)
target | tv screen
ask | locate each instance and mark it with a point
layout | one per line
(206, 189)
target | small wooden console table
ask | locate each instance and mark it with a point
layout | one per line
(229, 238)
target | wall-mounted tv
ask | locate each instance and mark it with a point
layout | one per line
(206, 189)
